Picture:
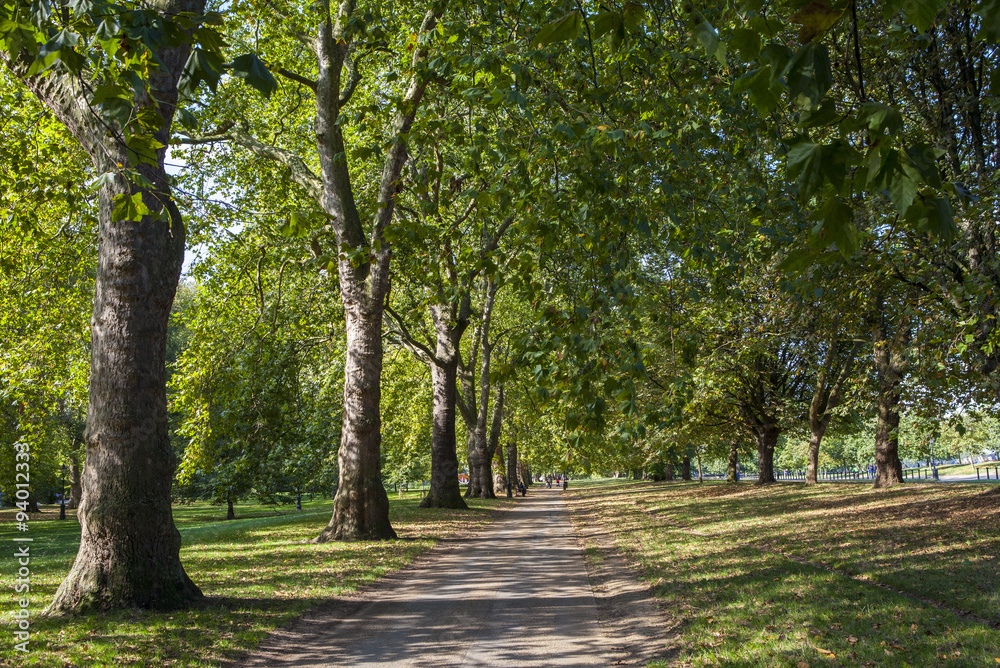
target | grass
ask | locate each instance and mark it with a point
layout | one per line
(257, 573)
(830, 575)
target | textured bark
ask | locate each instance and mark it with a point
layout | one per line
(361, 507)
(511, 468)
(767, 439)
(477, 409)
(734, 462)
(445, 491)
(129, 554)
(474, 489)
(686, 469)
(668, 471)
(890, 367)
(75, 486)
(524, 473)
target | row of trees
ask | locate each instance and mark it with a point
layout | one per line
(591, 235)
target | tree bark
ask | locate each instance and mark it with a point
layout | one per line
(767, 439)
(686, 469)
(890, 366)
(361, 507)
(734, 462)
(230, 511)
(129, 554)
(524, 473)
(445, 491)
(480, 456)
(511, 468)
(668, 470)
(474, 489)
(75, 486)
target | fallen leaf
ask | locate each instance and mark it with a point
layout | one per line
(852, 639)
(826, 653)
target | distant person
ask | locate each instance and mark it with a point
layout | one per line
(521, 489)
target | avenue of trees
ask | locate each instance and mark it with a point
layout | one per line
(496, 238)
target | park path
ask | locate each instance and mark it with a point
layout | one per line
(515, 594)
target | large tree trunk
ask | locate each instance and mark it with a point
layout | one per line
(361, 507)
(129, 549)
(524, 473)
(732, 472)
(480, 454)
(511, 468)
(129, 554)
(230, 511)
(812, 456)
(445, 491)
(686, 468)
(890, 365)
(767, 439)
(474, 489)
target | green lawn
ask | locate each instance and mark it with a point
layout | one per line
(790, 575)
(256, 572)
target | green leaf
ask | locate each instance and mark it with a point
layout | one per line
(746, 42)
(251, 69)
(808, 74)
(568, 27)
(610, 24)
(605, 22)
(923, 157)
(903, 189)
(804, 163)
(143, 148)
(880, 118)
(836, 227)
(825, 115)
(920, 13)
(108, 29)
(763, 89)
(815, 18)
(129, 207)
(632, 15)
(187, 119)
(41, 10)
(988, 12)
(798, 260)
(201, 66)
(935, 216)
(709, 39)
(777, 56)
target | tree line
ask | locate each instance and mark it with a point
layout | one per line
(596, 236)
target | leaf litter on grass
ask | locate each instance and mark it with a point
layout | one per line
(701, 545)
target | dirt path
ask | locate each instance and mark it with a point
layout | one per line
(515, 594)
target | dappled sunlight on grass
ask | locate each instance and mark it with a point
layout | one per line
(723, 560)
(258, 572)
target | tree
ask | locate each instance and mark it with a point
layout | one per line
(129, 549)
